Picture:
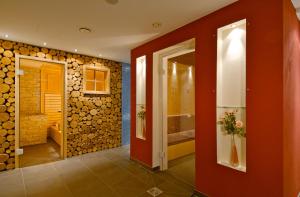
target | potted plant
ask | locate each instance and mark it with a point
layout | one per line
(232, 126)
(142, 116)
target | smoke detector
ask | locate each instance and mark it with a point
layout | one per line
(112, 2)
(85, 30)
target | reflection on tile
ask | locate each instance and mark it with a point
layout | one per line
(108, 173)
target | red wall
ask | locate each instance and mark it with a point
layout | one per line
(291, 101)
(264, 175)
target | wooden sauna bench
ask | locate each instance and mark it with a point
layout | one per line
(181, 135)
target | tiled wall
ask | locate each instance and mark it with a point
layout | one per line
(125, 104)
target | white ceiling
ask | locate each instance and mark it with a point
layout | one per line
(116, 29)
(297, 6)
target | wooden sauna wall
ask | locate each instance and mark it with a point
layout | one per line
(181, 89)
(94, 121)
(52, 93)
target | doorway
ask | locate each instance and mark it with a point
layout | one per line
(174, 110)
(40, 106)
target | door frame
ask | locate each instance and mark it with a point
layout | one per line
(160, 96)
(63, 148)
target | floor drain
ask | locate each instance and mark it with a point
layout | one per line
(154, 191)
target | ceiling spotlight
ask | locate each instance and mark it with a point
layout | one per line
(85, 30)
(100, 55)
(75, 50)
(45, 43)
(112, 2)
(156, 25)
(6, 36)
(233, 26)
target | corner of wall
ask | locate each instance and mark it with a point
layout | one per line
(291, 103)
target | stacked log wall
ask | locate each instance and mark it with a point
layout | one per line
(93, 121)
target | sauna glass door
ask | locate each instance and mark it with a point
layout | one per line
(40, 111)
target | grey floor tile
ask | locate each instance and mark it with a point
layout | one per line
(91, 188)
(109, 173)
(12, 192)
(11, 184)
(184, 169)
(47, 187)
(39, 172)
(173, 188)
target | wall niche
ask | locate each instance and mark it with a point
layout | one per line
(231, 96)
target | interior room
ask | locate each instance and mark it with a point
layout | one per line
(139, 98)
(181, 117)
(41, 111)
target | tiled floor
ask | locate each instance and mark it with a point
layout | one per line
(39, 154)
(184, 169)
(106, 173)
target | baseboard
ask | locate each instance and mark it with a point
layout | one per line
(198, 194)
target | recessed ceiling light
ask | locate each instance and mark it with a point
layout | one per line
(85, 30)
(6, 36)
(156, 25)
(75, 50)
(233, 26)
(100, 55)
(112, 2)
(45, 43)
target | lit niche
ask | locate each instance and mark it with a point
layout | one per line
(231, 96)
(141, 97)
(96, 80)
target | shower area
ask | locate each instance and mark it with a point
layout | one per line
(40, 112)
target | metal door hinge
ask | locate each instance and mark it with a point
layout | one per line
(162, 154)
(19, 72)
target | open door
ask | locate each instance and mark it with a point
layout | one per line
(174, 105)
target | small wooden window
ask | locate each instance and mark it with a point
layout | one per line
(96, 80)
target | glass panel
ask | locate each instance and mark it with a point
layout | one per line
(100, 86)
(231, 96)
(141, 97)
(40, 109)
(90, 86)
(97, 80)
(100, 75)
(90, 74)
